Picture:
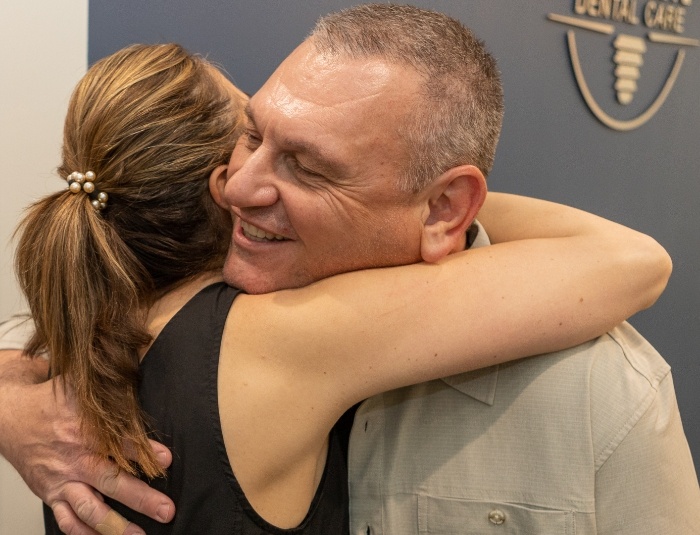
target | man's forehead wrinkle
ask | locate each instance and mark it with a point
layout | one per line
(294, 102)
(287, 102)
(314, 113)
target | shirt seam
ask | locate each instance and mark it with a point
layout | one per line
(607, 451)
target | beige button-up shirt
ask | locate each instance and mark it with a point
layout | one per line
(583, 441)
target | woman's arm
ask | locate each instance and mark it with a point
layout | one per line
(511, 217)
(567, 277)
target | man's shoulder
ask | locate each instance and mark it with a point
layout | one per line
(620, 359)
(616, 376)
(624, 383)
(622, 354)
(638, 354)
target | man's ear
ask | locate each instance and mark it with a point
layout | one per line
(454, 200)
(217, 183)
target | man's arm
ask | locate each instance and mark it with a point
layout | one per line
(41, 439)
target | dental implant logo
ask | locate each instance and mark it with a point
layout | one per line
(661, 23)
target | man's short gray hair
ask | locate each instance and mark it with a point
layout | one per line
(460, 109)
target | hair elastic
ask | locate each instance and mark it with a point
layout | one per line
(78, 182)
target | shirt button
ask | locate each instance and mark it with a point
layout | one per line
(497, 517)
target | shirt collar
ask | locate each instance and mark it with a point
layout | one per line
(478, 384)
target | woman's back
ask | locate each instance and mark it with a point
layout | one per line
(178, 392)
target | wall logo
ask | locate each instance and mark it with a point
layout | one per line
(665, 24)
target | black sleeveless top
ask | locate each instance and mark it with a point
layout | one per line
(179, 392)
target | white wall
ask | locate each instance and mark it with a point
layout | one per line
(43, 53)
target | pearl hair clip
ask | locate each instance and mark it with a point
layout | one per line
(78, 182)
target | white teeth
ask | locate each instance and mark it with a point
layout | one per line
(254, 233)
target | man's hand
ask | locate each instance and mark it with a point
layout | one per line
(41, 438)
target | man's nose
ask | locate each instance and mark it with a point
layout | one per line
(253, 184)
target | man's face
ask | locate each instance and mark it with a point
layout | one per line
(313, 182)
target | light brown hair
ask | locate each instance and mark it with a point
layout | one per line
(460, 107)
(152, 122)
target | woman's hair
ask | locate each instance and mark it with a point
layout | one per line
(151, 123)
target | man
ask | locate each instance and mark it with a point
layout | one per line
(364, 149)
(587, 439)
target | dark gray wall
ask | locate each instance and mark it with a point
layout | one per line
(552, 146)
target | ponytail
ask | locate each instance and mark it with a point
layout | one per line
(70, 263)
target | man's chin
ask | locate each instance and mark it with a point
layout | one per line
(256, 282)
(247, 285)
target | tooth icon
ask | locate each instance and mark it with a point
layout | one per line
(628, 58)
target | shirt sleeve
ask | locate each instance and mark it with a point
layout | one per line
(648, 485)
(16, 331)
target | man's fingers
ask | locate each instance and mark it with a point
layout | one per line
(165, 456)
(84, 511)
(67, 520)
(134, 493)
(162, 453)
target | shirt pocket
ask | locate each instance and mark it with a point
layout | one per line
(448, 516)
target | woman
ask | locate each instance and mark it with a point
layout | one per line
(124, 266)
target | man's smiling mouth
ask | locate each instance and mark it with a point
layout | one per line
(254, 233)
